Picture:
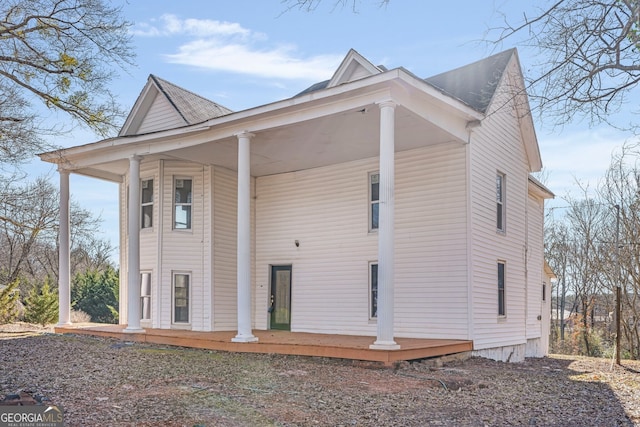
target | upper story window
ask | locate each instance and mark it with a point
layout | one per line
(146, 206)
(500, 199)
(182, 202)
(374, 200)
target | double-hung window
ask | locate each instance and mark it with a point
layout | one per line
(145, 296)
(146, 206)
(374, 200)
(373, 290)
(500, 199)
(502, 309)
(182, 202)
(181, 297)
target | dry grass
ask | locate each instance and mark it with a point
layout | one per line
(108, 382)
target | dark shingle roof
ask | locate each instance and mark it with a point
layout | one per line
(474, 84)
(314, 87)
(192, 107)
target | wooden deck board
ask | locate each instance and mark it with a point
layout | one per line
(283, 342)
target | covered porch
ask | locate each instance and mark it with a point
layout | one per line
(386, 113)
(281, 342)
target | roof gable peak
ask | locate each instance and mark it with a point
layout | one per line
(183, 106)
(353, 67)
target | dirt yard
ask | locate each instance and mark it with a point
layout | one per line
(108, 382)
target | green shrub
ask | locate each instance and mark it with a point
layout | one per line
(9, 302)
(96, 293)
(41, 305)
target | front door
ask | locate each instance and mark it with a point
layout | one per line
(280, 302)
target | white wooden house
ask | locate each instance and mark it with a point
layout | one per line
(376, 203)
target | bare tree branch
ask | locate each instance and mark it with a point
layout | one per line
(589, 57)
(63, 53)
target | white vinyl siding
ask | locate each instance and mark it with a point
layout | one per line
(330, 289)
(188, 250)
(161, 115)
(535, 258)
(225, 224)
(497, 146)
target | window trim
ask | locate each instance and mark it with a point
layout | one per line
(144, 204)
(501, 216)
(173, 297)
(176, 204)
(502, 290)
(371, 298)
(371, 203)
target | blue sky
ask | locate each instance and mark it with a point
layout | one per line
(245, 53)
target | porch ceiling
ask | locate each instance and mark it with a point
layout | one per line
(337, 138)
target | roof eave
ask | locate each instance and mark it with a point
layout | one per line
(236, 120)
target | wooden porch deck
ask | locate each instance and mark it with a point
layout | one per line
(282, 342)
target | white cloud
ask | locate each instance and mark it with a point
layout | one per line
(278, 62)
(229, 47)
(169, 24)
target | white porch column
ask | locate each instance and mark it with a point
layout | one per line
(386, 256)
(64, 264)
(133, 277)
(244, 239)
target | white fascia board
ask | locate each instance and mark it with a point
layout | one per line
(538, 189)
(454, 105)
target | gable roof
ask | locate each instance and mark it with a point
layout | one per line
(191, 106)
(475, 83)
(353, 67)
(188, 108)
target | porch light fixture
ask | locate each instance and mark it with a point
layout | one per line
(297, 242)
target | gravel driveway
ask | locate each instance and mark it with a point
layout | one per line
(108, 382)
